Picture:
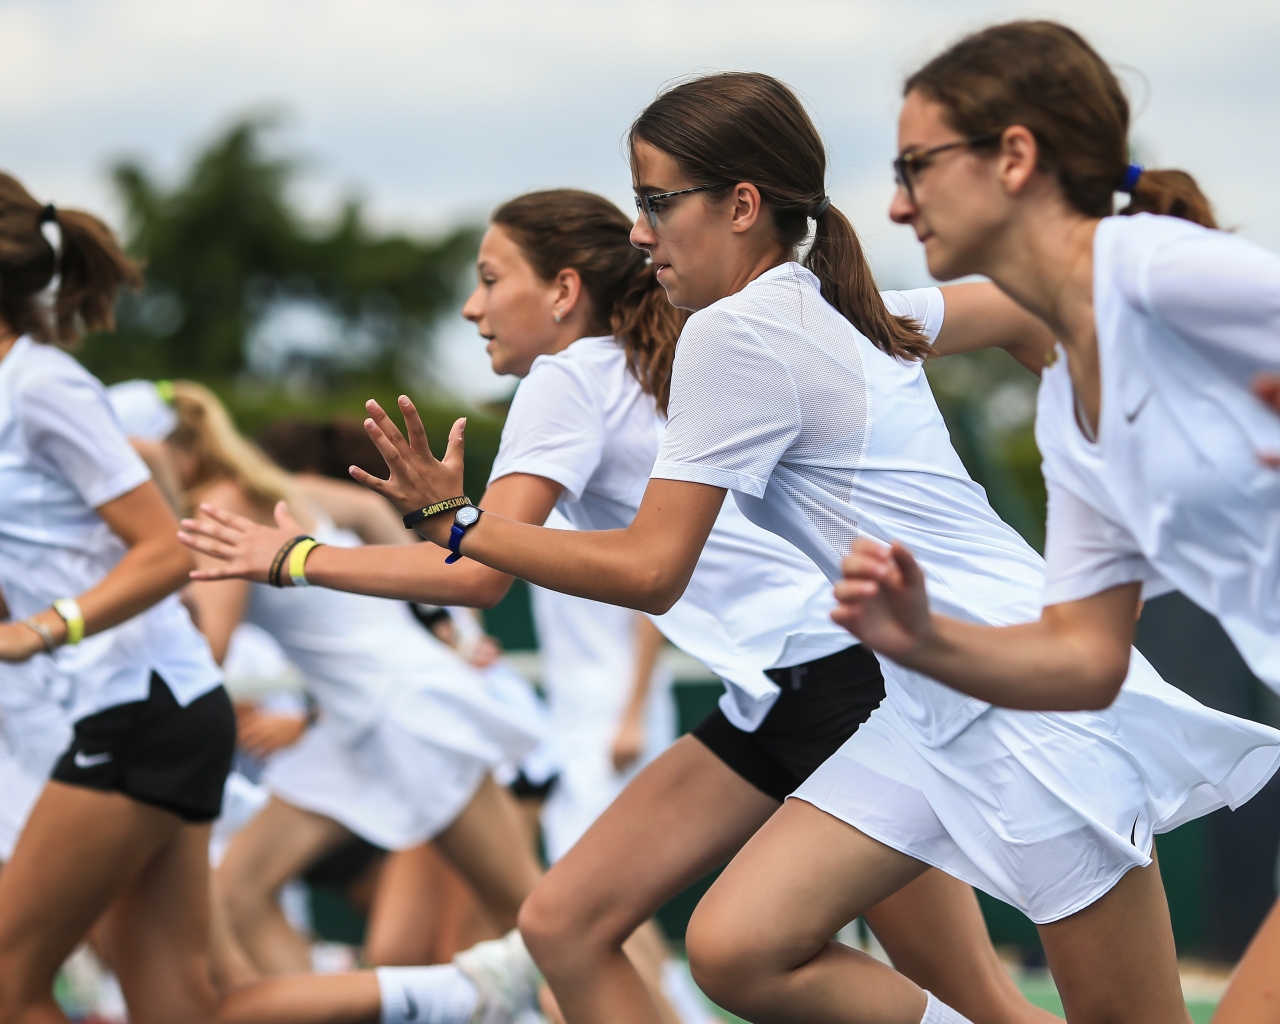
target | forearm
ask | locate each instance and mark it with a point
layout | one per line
(1031, 667)
(629, 568)
(416, 573)
(148, 573)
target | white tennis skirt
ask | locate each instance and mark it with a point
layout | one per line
(390, 787)
(1046, 811)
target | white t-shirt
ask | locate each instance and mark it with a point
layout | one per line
(63, 454)
(580, 418)
(1173, 494)
(823, 437)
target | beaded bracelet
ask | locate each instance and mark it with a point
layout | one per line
(278, 563)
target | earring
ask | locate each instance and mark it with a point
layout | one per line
(559, 315)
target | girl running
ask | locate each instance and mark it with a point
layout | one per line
(567, 303)
(118, 838)
(1153, 418)
(405, 739)
(799, 388)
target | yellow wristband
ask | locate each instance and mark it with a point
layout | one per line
(69, 609)
(298, 561)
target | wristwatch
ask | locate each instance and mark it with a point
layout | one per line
(465, 518)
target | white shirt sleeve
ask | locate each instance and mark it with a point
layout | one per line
(1085, 553)
(925, 306)
(733, 410)
(72, 433)
(554, 428)
(1219, 292)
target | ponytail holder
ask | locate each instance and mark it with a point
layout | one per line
(1131, 175)
(824, 204)
(49, 213)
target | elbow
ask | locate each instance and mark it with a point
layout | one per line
(657, 592)
(1103, 683)
(490, 591)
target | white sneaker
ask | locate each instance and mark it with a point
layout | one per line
(505, 976)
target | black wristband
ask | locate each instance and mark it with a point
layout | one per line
(282, 557)
(412, 519)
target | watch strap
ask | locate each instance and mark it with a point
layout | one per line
(456, 533)
(412, 519)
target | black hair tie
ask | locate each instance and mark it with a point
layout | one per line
(824, 204)
(49, 213)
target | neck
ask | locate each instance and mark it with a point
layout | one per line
(753, 268)
(1044, 262)
(8, 336)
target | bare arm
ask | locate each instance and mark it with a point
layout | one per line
(628, 741)
(153, 568)
(218, 607)
(980, 315)
(352, 507)
(1075, 657)
(646, 566)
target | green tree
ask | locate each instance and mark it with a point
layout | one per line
(224, 244)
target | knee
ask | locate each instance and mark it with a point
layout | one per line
(561, 931)
(544, 923)
(722, 963)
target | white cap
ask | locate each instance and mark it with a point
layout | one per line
(142, 409)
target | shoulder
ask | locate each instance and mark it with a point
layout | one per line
(231, 496)
(38, 363)
(1127, 246)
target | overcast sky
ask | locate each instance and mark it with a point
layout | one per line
(435, 111)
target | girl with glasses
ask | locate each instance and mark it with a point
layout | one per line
(567, 303)
(1157, 406)
(798, 386)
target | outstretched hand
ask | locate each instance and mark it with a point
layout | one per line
(244, 548)
(418, 478)
(882, 599)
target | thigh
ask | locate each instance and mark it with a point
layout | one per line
(682, 816)
(488, 845)
(80, 848)
(801, 878)
(1115, 960)
(277, 844)
(157, 934)
(1254, 997)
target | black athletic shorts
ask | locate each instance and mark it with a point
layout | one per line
(157, 751)
(821, 705)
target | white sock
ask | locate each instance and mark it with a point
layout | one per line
(426, 995)
(938, 1012)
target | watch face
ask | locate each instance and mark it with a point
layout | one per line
(466, 515)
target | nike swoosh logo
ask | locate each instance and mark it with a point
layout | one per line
(84, 760)
(1131, 416)
(411, 1006)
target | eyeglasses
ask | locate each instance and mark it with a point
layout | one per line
(915, 161)
(645, 204)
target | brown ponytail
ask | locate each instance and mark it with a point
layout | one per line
(745, 127)
(566, 229)
(91, 268)
(1047, 78)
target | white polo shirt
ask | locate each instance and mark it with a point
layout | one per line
(1173, 493)
(754, 602)
(62, 455)
(822, 437)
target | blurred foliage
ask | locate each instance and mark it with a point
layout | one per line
(225, 245)
(988, 401)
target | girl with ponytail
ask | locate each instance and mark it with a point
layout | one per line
(1156, 417)
(568, 304)
(799, 387)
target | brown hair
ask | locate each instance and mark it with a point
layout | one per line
(744, 127)
(568, 229)
(1045, 77)
(301, 446)
(91, 268)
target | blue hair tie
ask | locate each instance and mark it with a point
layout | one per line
(824, 204)
(1131, 175)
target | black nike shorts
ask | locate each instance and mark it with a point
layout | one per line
(821, 705)
(157, 751)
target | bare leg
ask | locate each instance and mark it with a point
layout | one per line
(680, 817)
(1254, 995)
(921, 927)
(487, 844)
(1114, 962)
(79, 850)
(423, 911)
(281, 841)
(229, 964)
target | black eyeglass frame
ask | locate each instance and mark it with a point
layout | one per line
(902, 165)
(650, 214)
